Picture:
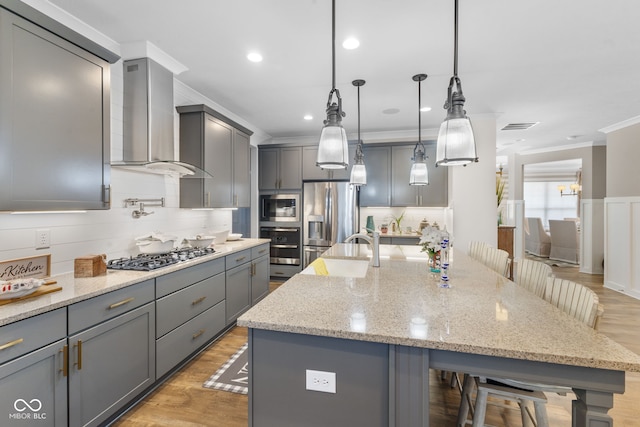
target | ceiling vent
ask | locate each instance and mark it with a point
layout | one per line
(519, 126)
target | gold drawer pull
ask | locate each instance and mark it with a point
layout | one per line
(65, 361)
(240, 259)
(197, 334)
(123, 302)
(199, 300)
(11, 344)
(261, 251)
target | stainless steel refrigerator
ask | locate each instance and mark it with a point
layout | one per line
(330, 215)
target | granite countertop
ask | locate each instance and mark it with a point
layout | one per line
(78, 289)
(400, 303)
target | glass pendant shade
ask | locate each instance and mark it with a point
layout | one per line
(419, 174)
(333, 150)
(358, 175)
(456, 143)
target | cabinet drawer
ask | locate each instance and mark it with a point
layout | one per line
(259, 251)
(95, 310)
(284, 271)
(177, 308)
(180, 279)
(32, 333)
(238, 258)
(175, 346)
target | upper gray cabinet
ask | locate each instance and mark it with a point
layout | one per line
(377, 159)
(312, 172)
(280, 168)
(54, 120)
(403, 194)
(222, 150)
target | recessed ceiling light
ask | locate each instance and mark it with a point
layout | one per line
(254, 57)
(308, 117)
(520, 140)
(391, 111)
(351, 43)
(572, 137)
(425, 109)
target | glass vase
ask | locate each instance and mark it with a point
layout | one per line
(434, 262)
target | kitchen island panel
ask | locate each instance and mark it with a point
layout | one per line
(278, 375)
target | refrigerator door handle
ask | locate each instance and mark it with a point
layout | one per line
(328, 207)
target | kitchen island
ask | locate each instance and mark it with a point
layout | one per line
(382, 332)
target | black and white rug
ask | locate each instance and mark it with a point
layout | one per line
(233, 375)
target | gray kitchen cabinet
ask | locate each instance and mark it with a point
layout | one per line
(377, 192)
(260, 276)
(402, 194)
(110, 361)
(33, 378)
(280, 168)
(219, 148)
(238, 291)
(312, 172)
(54, 121)
(190, 311)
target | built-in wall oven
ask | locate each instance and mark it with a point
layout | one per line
(285, 244)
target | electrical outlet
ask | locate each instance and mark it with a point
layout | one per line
(43, 238)
(321, 381)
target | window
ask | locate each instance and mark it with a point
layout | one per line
(542, 199)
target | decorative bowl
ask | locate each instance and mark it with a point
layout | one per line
(200, 241)
(220, 236)
(234, 236)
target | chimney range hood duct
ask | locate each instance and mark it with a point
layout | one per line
(148, 138)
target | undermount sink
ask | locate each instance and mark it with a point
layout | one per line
(342, 268)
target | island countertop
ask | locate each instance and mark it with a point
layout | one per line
(79, 289)
(400, 303)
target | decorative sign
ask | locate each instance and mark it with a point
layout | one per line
(35, 266)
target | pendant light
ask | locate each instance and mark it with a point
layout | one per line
(456, 143)
(333, 149)
(359, 170)
(419, 174)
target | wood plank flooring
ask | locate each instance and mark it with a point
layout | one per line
(182, 401)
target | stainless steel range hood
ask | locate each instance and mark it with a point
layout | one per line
(148, 138)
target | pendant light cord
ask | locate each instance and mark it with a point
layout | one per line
(455, 40)
(333, 44)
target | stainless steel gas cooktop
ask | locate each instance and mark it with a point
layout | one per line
(148, 262)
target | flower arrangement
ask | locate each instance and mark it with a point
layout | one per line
(432, 242)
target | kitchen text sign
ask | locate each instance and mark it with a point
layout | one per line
(36, 266)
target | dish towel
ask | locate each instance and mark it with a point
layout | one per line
(320, 267)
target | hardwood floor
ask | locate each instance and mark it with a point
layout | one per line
(182, 401)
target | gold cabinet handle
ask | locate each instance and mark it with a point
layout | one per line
(65, 360)
(123, 302)
(208, 204)
(11, 344)
(198, 301)
(261, 251)
(78, 345)
(240, 259)
(197, 334)
(253, 269)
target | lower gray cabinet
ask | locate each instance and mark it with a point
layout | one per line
(110, 361)
(238, 291)
(34, 388)
(260, 279)
(33, 374)
(178, 344)
(110, 364)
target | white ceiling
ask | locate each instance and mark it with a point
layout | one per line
(572, 65)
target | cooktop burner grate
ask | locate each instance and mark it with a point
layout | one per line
(148, 262)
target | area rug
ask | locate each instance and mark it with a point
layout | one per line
(233, 375)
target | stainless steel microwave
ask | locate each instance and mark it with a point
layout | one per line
(280, 207)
